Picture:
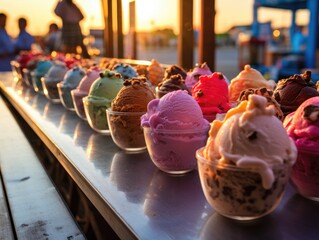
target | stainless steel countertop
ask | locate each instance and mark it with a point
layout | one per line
(137, 199)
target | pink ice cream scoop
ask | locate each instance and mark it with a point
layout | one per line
(303, 127)
(211, 93)
(83, 89)
(174, 128)
(172, 112)
(193, 75)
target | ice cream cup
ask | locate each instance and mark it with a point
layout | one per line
(27, 78)
(305, 173)
(65, 96)
(77, 97)
(36, 83)
(238, 193)
(95, 111)
(173, 151)
(126, 130)
(50, 90)
(16, 70)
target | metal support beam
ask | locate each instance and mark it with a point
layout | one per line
(186, 34)
(206, 49)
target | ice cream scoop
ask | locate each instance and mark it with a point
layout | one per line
(70, 81)
(125, 70)
(83, 89)
(172, 112)
(246, 163)
(124, 117)
(193, 75)
(268, 94)
(303, 127)
(155, 72)
(174, 70)
(291, 92)
(248, 78)
(172, 134)
(49, 82)
(173, 83)
(102, 92)
(42, 68)
(211, 93)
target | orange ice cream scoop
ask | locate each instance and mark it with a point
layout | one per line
(211, 93)
(248, 78)
(155, 72)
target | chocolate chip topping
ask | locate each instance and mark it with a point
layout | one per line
(311, 113)
(199, 93)
(135, 81)
(220, 75)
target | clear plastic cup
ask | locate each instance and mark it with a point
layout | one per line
(50, 90)
(174, 151)
(305, 173)
(36, 82)
(95, 111)
(126, 130)
(77, 98)
(238, 193)
(65, 96)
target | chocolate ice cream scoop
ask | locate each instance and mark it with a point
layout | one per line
(174, 70)
(291, 92)
(133, 96)
(173, 83)
(268, 94)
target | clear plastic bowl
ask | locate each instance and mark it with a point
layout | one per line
(95, 111)
(173, 151)
(16, 70)
(36, 82)
(126, 130)
(305, 173)
(65, 96)
(77, 98)
(50, 90)
(238, 193)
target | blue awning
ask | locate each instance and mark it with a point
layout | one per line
(294, 5)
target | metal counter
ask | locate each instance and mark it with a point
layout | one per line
(135, 198)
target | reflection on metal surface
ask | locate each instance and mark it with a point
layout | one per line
(132, 174)
(170, 195)
(82, 134)
(51, 112)
(100, 151)
(67, 124)
(38, 104)
(217, 225)
(295, 212)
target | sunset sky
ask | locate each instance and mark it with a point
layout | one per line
(150, 13)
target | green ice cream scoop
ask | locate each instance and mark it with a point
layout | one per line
(107, 86)
(102, 92)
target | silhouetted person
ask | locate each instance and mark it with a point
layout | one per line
(6, 46)
(53, 39)
(72, 36)
(24, 40)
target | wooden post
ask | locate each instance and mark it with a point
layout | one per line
(206, 49)
(108, 28)
(133, 41)
(186, 34)
(120, 39)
